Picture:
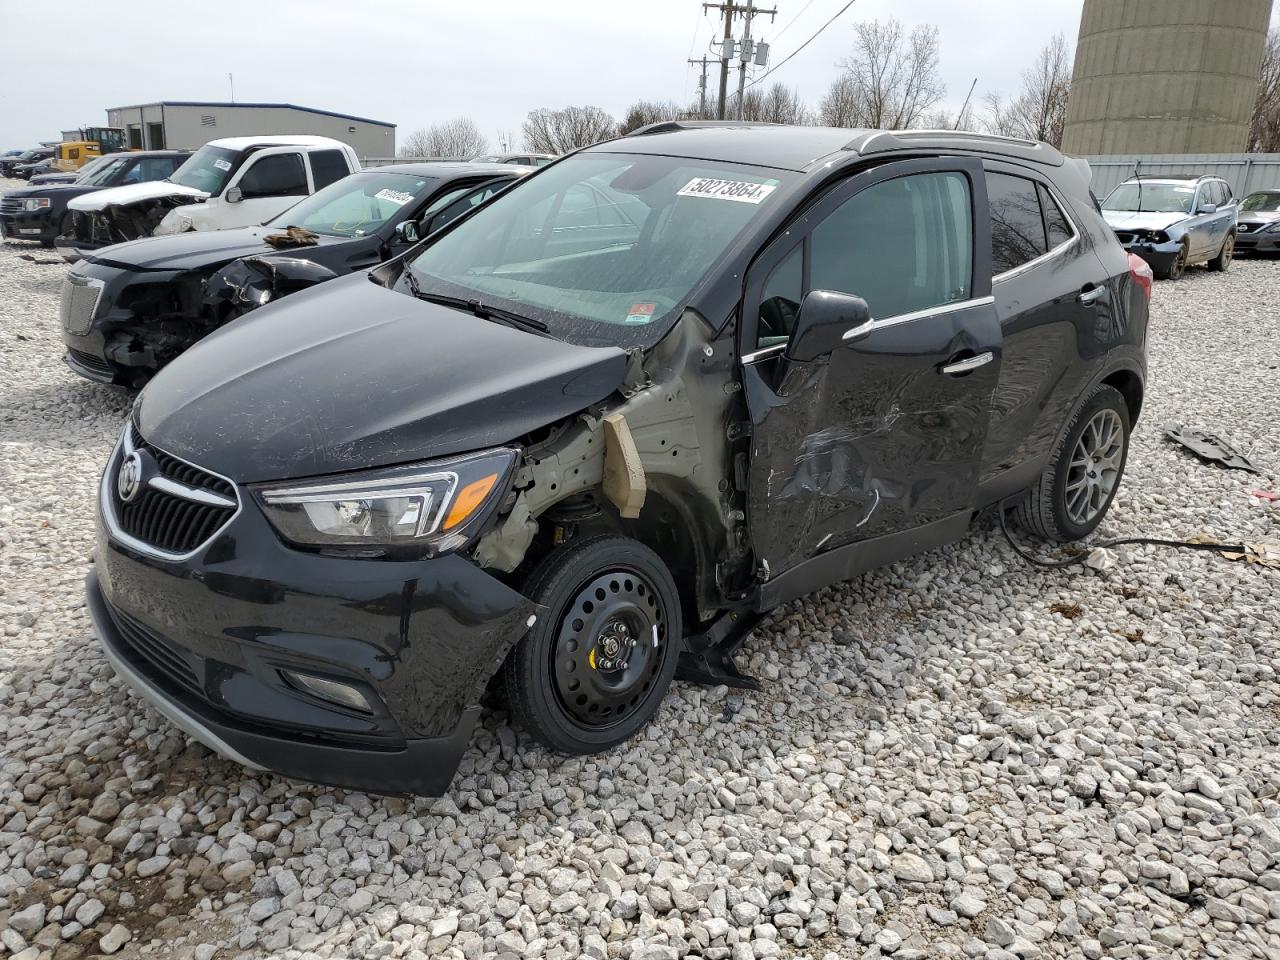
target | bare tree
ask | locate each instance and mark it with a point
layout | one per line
(1264, 125)
(559, 131)
(456, 139)
(1039, 111)
(780, 104)
(643, 112)
(842, 105)
(892, 76)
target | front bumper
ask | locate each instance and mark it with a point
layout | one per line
(205, 638)
(28, 225)
(1159, 255)
(1258, 241)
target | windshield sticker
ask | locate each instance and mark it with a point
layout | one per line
(640, 313)
(222, 164)
(398, 197)
(740, 191)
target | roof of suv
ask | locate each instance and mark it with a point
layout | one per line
(803, 148)
(286, 140)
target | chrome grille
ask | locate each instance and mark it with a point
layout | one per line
(176, 508)
(80, 297)
(10, 205)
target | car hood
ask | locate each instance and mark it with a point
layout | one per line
(132, 194)
(200, 249)
(1259, 216)
(50, 190)
(1147, 220)
(350, 375)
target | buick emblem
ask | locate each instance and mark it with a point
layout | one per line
(129, 479)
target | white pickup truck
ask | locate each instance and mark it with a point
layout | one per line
(233, 182)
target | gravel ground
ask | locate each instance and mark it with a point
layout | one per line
(955, 756)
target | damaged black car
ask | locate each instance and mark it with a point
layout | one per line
(129, 309)
(578, 442)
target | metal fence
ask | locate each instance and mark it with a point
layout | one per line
(1245, 172)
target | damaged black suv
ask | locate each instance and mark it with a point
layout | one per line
(577, 442)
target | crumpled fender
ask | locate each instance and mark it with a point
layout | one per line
(248, 283)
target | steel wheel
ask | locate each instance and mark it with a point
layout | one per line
(609, 647)
(1095, 467)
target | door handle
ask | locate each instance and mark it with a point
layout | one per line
(967, 364)
(1090, 295)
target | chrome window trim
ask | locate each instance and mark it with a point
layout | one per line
(941, 309)
(125, 446)
(1048, 254)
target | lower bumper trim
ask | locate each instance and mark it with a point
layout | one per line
(423, 767)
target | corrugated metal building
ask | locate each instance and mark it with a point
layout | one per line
(1165, 76)
(1245, 172)
(185, 125)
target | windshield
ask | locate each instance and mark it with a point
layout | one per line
(101, 175)
(356, 205)
(208, 169)
(1268, 202)
(603, 248)
(1151, 198)
(97, 163)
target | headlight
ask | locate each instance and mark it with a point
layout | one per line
(35, 203)
(436, 507)
(1274, 227)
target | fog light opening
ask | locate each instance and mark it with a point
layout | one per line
(334, 691)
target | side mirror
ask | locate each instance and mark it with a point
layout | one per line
(1208, 208)
(407, 232)
(234, 195)
(827, 320)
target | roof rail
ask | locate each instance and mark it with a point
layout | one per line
(883, 141)
(966, 134)
(668, 126)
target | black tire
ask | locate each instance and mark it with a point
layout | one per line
(1225, 254)
(1045, 511)
(636, 585)
(1176, 269)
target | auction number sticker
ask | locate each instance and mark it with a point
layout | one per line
(398, 197)
(740, 191)
(222, 164)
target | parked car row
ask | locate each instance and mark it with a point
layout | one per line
(584, 432)
(23, 164)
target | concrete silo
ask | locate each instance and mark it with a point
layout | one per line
(1165, 76)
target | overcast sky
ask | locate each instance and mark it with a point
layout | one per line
(414, 63)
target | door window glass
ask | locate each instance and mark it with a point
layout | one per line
(902, 245)
(1017, 231)
(328, 166)
(279, 175)
(1055, 220)
(780, 300)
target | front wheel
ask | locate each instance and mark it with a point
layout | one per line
(1076, 489)
(594, 668)
(1223, 259)
(1176, 268)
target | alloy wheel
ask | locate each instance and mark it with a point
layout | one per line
(1095, 467)
(1228, 250)
(1179, 264)
(610, 648)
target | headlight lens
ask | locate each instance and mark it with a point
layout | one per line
(35, 203)
(436, 507)
(1274, 227)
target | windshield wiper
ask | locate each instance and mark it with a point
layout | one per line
(475, 307)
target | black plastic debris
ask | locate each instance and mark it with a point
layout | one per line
(248, 283)
(1210, 447)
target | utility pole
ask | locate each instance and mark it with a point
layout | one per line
(730, 10)
(702, 87)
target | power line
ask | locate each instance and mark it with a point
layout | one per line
(776, 66)
(789, 23)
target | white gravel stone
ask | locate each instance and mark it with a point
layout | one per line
(940, 763)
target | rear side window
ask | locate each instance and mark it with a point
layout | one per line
(328, 166)
(279, 175)
(902, 245)
(1055, 221)
(1017, 228)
